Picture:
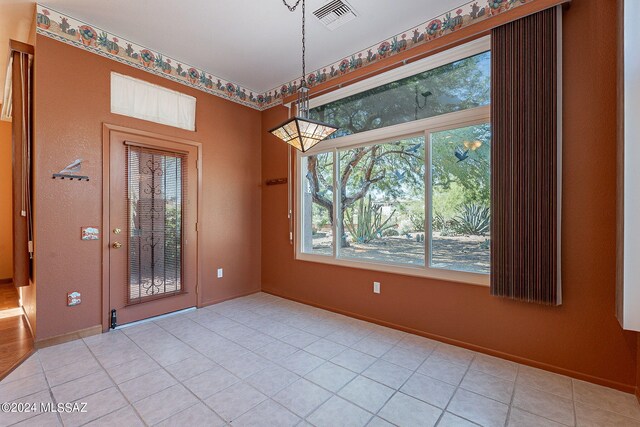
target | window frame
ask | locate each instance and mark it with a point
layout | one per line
(422, 127)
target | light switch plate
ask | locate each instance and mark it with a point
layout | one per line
(220, 273)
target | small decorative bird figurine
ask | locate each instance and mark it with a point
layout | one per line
(73, 167)
(461, 154)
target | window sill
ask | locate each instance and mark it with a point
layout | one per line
(469, 278)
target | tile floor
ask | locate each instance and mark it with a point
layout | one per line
(265, 361)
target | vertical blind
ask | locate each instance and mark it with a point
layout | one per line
(524, 163)
(156, 190)
(21, 68)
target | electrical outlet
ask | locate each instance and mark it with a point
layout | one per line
(376, 287)
(219, 273)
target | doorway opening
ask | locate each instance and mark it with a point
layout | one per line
(16, 341)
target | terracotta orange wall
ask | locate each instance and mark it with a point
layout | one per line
(72, 103)
(6, 241)
(580, 338)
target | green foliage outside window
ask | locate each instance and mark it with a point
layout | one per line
(453, 87)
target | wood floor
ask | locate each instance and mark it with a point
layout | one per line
(16, 342)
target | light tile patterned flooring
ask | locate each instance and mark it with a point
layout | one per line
(265, 361)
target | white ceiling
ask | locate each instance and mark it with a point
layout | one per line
(256, 43)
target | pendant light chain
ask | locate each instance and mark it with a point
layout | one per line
(304, 48)
(303, 92)
(291, 8)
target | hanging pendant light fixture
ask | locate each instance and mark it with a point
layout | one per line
(300, 131)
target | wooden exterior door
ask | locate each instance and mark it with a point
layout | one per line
(152, 237)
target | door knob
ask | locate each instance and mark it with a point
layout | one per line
(116, 245)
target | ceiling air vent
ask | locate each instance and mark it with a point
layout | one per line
(335, 14)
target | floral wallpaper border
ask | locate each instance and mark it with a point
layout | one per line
(468, 14)
(69, 30)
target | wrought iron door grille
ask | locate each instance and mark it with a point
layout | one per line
(156, 191)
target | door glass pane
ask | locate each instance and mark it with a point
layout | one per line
(317, 204)
(460, 194)
(382, 202)
(452, 87)
(155, 191)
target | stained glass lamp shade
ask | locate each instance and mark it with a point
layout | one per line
(303, 133)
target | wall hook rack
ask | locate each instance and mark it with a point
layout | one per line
(276, 181)
(70, 177)
(71, 171)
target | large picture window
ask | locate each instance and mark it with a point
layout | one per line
(405, 186)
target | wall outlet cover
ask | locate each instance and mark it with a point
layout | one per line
(376, 287)
(74, 298)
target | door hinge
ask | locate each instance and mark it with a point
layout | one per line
(196, 226)
(114, 321)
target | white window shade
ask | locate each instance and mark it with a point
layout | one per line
(137, 98)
